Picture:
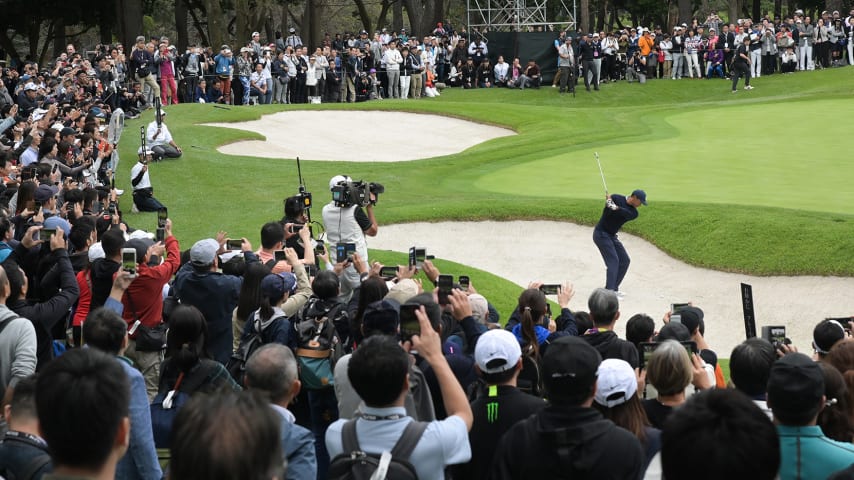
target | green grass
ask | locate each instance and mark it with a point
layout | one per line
(755, 182)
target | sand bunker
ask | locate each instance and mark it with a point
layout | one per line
(554, 252)
(367, 136)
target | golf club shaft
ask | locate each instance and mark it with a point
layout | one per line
(596, 154)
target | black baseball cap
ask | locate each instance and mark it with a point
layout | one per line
(826, 334)
(795, 385)
(569, 368)
(382, 316)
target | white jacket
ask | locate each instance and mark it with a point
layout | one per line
(392, 59)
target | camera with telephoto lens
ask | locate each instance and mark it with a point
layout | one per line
(349, 193)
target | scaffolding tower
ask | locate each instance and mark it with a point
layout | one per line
(486, 16)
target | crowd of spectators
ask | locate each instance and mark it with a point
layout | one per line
(351, 352)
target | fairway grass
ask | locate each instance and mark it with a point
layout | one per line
(754, 182)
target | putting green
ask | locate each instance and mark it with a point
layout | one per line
(766, 154)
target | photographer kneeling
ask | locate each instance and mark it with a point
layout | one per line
(347, 222)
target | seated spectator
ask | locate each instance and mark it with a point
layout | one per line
(469, 74)
(720, 417)
(159, 139)
(227, 436)
(498, 360)
(670, 371)
(378, 372)
(105, 330)
(605, 311)
(617, 399)
(568, 438)
(796, 396)
(788, 61)
(531, 76)
(23, 452)
(485, 75)
(749, 366)
(501, 71)
(85, 442)
(272, 370)
(455, 77)
(143, 191)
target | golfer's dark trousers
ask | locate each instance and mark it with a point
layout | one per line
(615, 256)
(740, 69)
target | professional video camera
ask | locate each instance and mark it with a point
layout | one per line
(349, 193)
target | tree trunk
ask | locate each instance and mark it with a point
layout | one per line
(583, 22)
(600, 15)
(242, 18)
(310, 31)
(685, 10)
(778, 9)
(397, 15)
(756, 14)
(423, 15)
(59, 42)
(203, 34)
(381, 20)
(129, 22)
(364, 16)
(181, 15)
(216, 27)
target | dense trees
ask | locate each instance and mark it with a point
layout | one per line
(40, 29)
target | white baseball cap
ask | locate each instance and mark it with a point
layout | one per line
(616, 383)
(337, 179)
(497, 351)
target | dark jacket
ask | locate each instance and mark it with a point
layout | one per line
(563, 441)
(23, 456)
(45, 315)
(610, 346)
(215, 295)
(102, 271)
(495, 413)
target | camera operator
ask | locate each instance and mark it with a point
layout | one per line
(295, 214)
(349, 224)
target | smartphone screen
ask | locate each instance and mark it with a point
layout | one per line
(691, 348)
(280, 255)
(388, 272)
(464, 282)
(234, 244)
(445, 284)
(345, 250)
(319, 250)
(310, 270)
(420, 256)
(37, 205)
(646, 352)
(160, 234)
(129, 260)
(46, 234)
(550, 289)
(411, 257)
(675, 307)
(409, 324)
(162, 215)
(295, 227)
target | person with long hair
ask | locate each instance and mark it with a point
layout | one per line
(371, 290)
(835, 418)
(270, 320)
(186, 354)
(617, 399)
(249, 298)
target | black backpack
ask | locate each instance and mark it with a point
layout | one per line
(355, 464)
(236, 365)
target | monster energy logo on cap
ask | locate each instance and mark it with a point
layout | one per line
(492, 412)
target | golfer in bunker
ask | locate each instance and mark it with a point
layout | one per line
(618, 210)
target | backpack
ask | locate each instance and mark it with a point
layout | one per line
(318, 343)
(165, 406)
(236, 365)
(354, 464)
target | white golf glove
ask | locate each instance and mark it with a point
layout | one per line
(610, 204)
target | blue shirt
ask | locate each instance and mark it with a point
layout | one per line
(612, 220)
(444, 442)
(806, 453)
(298, 446)
(140, 461)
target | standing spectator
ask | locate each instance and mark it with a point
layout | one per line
(750, 365)
(194, 65)
(588, 53)
(393, 60)
(796, 396)
(806, 38)
(17, 341)
(243, 65)
(143, 302)
(677, 51)
(23, 452)
(279, 70)
(272, 370)
(406, 73)
(670, 371)
(143, 66)
(224, 68)
(822, 44)
(165, 60)
(604, 309)
(353, 71)
(85, 442)
(566, 63)
(568, 437)
(416, 72)
(293, 39)
(200, 284)
(105, 330)
(498, 361)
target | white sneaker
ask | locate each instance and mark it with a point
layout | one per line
(134, 209)
(620, 294)
(748, 87)
(119, 192)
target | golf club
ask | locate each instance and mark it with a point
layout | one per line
(596, 154)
